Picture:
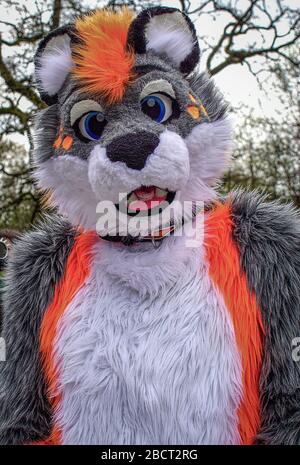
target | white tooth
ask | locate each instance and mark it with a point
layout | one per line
(146, 196)
(132, 198)
(161, 192)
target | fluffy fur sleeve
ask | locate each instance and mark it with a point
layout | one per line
(268, 237)
(35, 267)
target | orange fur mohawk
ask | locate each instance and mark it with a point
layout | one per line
(102, 62)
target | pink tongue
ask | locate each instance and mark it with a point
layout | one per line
(145, 193)
(147, 199)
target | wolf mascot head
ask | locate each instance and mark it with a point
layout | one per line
(130, 121)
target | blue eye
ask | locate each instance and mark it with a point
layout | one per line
(158, 107)
(91, 125)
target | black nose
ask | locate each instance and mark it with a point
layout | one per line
(133, 149)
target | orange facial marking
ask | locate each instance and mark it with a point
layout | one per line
(192, 98)
(59, 139)
(103, 63)
(203, 109)
(196, 114)
(194, 111)
(67, 142)
(57, 142)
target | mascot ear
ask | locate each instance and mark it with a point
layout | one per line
(167, 32)
(53, 62)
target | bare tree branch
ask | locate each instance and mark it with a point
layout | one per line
(55, 19)
(16, 86)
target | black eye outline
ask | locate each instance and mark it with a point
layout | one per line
(82, 129)
(168, 107)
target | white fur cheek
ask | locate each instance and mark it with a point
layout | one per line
(169, 164)
(67, 180)
(210, 147)
(109, 179)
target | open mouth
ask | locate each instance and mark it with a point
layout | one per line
(148, 200)
(147, 204)
(152, 222)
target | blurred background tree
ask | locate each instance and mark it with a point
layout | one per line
(262, 35)
(267, 153)
(18, 200)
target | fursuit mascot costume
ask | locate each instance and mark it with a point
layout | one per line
(131, 336)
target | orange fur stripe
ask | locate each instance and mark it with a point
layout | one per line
(67, 142)
(103, 64)
(225, 271)
(193, 111)
(76, 272)
(57, 142)
(192, 99)
(203, 109)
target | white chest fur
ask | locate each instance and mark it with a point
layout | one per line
(147, 354)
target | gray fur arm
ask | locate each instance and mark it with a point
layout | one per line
(268, 237)
(36, 266)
